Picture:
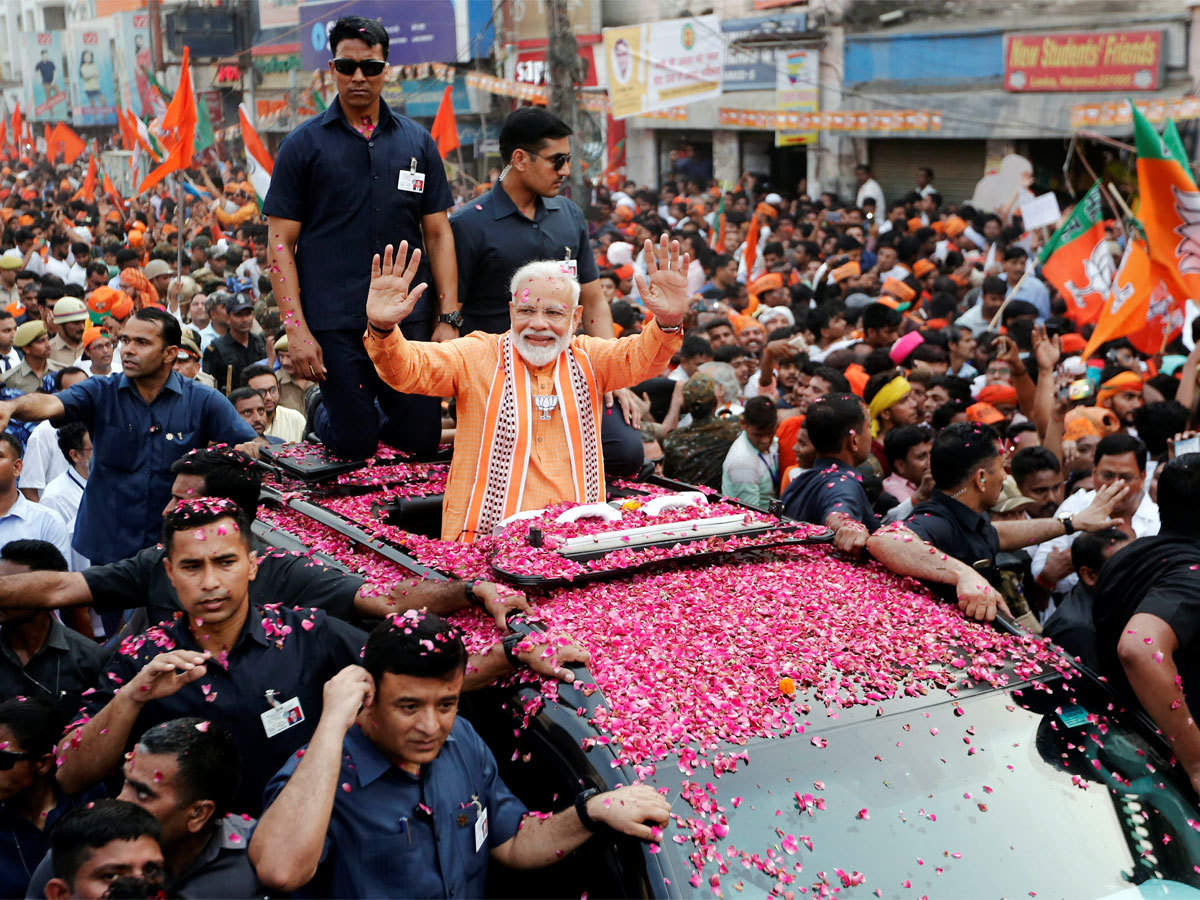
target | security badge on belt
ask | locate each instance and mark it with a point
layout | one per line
(281, 716)
(412, 180)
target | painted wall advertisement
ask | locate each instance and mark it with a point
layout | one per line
(664, 64)
(417, 33)
(1097, 61)
(796, 91)
(47, 81)
(93, 90)
(132, 61)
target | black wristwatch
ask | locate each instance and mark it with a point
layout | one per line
(472, 599)
(509, 643)
(452, 318)
(581, 810)
(1067, 524)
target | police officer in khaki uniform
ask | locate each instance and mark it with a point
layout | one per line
(32, 341)
(71, 318)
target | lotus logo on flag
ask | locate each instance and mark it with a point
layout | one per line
(1099, 270)
(1187, 206)
(1121, 293)
(1160, 301)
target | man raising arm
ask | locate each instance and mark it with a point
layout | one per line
(390, 741)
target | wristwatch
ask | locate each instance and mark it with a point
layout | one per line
(509, 643)
(452, 318)
(1067, 524)
(472, 599)
(585, 819)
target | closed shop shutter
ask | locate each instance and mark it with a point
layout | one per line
(957, 166)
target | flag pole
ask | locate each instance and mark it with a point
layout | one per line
(179, 236)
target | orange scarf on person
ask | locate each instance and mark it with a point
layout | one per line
(499, 486)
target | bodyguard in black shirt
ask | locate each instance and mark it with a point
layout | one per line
(39, 656)
(257, 670)
(1147, 612)
(238, 348)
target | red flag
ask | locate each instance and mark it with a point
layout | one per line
(3, 132)
(179, 129)
(63, 140)
(445, 129)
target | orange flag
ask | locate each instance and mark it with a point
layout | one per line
(128, 132)
(179, 129)
(1077, 262)
(17, 123)
(1169, 205)
(3, 132)
(445, 129)
(751, 253)
(1141, 306)
(87, 190)
(65, 142)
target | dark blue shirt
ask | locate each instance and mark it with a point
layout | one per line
(829, 486)
(292, 663)
(377, 847)
(22, 845)
(955, 529)
(135, 445)
(492, 239)
(342, 189)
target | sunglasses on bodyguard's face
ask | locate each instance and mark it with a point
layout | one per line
(9, 758)
(370, 67)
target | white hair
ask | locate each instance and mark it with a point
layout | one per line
(724, 375)
(547, 269)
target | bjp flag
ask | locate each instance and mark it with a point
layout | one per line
(1169, 205)
(1076, 259)
(1141, 305)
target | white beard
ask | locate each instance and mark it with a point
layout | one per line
(540, 356)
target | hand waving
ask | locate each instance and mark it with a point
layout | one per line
(666, 295)
(389, 300)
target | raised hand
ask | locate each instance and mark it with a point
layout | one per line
(166, 674)
(345, 694)
(666, 268)
(389, 300)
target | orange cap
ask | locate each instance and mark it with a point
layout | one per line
(984, 413)
(898, 289)
(91, 333)
(923, 267)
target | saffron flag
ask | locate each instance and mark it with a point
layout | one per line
(445, 129)
(1169, 205)
(178, 129)
(751, 252)
(87, 190)
(1077, 261)
(3, 132)
(17, 122)
(63, 141)
(1140, 305)
(259, 164)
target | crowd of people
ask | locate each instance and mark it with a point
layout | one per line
(181, 713)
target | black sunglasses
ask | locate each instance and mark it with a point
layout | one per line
(9, 758)
(370, 67)
(557, 160)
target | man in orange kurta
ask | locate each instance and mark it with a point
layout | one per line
(528, 400)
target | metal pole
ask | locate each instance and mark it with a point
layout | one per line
(562, 61)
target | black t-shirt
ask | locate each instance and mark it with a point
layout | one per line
(141, 581)
(1159, 576)
(1072, 625)
(955, 529)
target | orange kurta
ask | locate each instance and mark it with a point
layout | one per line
(464, 368)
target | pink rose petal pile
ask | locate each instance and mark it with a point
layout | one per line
(691, 660)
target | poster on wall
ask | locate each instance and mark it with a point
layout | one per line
(93, 90)
(278, 13)
(132, 61)
(796, 91)
(46, 77)
(658, 65)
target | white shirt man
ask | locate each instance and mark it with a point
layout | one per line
(1145, 524)
(870, 189)
(43, 461)
(63, 495)
(26, 521)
